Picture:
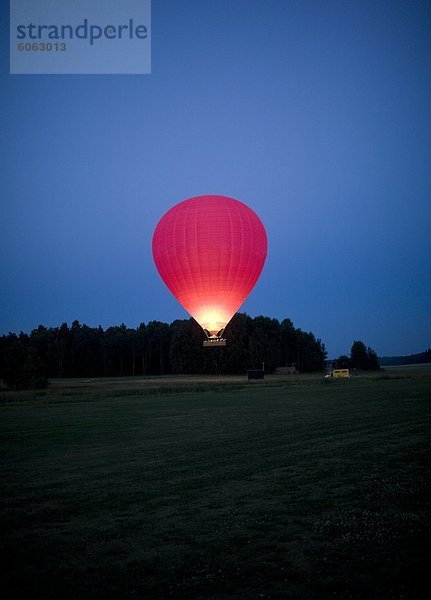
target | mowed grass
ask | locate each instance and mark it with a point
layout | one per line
(295, 488)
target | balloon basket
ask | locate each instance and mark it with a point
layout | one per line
(214, 343)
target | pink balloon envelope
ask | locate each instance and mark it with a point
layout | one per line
(210, 251)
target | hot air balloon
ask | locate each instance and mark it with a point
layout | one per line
(210, 251)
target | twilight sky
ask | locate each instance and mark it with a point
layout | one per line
(317, 114)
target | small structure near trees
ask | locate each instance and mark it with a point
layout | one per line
(256, 374)
(286, 371)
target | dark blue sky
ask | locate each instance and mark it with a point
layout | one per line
(317, 114)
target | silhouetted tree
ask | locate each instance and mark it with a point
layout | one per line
(263, 343)
(59, 350)
(373, 361)
(185, 351)
(23, 368)
(288, 344)
(236, 354)
(363, 358)
(343, 362)
(358, 355)
(311, 352)
(159, 338)
(143, 345)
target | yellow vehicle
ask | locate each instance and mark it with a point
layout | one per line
(338, 374)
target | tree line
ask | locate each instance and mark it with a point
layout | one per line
(155, 348)
(361, 357)
(410, 359)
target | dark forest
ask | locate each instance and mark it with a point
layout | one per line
(156, 348)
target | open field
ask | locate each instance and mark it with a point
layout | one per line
(218, 488)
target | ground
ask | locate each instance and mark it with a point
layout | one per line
(218, 488)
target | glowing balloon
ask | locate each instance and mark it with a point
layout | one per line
(210, 251)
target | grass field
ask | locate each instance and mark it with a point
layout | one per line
(218, 488)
